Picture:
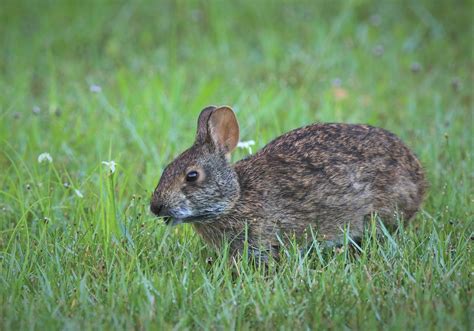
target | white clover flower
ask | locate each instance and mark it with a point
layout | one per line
(45, 157)
(246, 144)
(78, 193)
(110, 165)
(36, 110)
(95, 88)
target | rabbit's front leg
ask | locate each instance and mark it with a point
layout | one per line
(259, 255)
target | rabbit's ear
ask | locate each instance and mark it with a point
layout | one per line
(202, 135)
(223, 129)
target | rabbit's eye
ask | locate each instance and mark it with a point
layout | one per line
(192, 176)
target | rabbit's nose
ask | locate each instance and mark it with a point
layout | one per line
(156, 208)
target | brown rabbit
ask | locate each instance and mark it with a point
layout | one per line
(325, 176)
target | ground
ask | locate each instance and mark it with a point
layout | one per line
(88, 82)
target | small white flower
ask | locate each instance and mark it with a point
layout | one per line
(95, 88)
(336, 82)
(36, 110)
(246, 144)
(78, 193)
(45, 157)
(110, 165)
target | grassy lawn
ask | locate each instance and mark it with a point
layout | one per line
(89, 82)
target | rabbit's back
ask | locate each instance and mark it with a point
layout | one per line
(329, 176)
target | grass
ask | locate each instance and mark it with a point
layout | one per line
(78, 247)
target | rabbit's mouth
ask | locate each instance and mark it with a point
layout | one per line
(172, 221)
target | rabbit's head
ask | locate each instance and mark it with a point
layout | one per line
(200, 184)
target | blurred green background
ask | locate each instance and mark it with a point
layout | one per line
(92, 81)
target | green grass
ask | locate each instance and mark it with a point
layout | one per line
(102, 261)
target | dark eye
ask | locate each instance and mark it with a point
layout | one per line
(192, 176)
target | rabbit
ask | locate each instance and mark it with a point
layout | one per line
(323, 177)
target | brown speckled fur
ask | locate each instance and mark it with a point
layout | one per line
(324, 176)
